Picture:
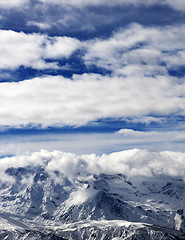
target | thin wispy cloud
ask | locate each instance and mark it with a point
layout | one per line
(40, 25)
(178, 4)
(13, 3)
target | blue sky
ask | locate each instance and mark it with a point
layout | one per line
(92, 76)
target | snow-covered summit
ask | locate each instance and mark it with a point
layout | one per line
(118, 196)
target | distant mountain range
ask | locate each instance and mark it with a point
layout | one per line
(39, 202)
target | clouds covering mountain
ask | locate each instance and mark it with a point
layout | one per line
(129, 193)
(130, 163)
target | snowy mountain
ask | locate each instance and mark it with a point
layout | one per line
(132, 194)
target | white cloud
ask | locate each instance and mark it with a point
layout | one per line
(133, 51)
(178, 4)
(42, 26)
(80, 196)
(60, 101)
(31, 50)
(175, 135)
(35, 159)
(146, 119)
(130, 132)
(139, 51)
(98, 143)
(13, 3)
(131, 163)
(138, 85)
(58, 47)
(151, 136)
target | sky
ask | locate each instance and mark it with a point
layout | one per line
(92, 76)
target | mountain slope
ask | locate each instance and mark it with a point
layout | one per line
(63, 196)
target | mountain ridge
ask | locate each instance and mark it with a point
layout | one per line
(40, 201)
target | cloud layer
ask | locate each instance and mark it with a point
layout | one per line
(93, 142)
(130, 163)
(136, 50)
(13, 3)
(60, 101)
(178, 4)
(139, 51)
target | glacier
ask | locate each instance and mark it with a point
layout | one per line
(132, 194)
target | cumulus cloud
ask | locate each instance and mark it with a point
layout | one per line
(139, 51)
(58, 47)
(32, 50)
(138, 57)
(130, 163)
(141, 162)
(35, 159)
(136, 50)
